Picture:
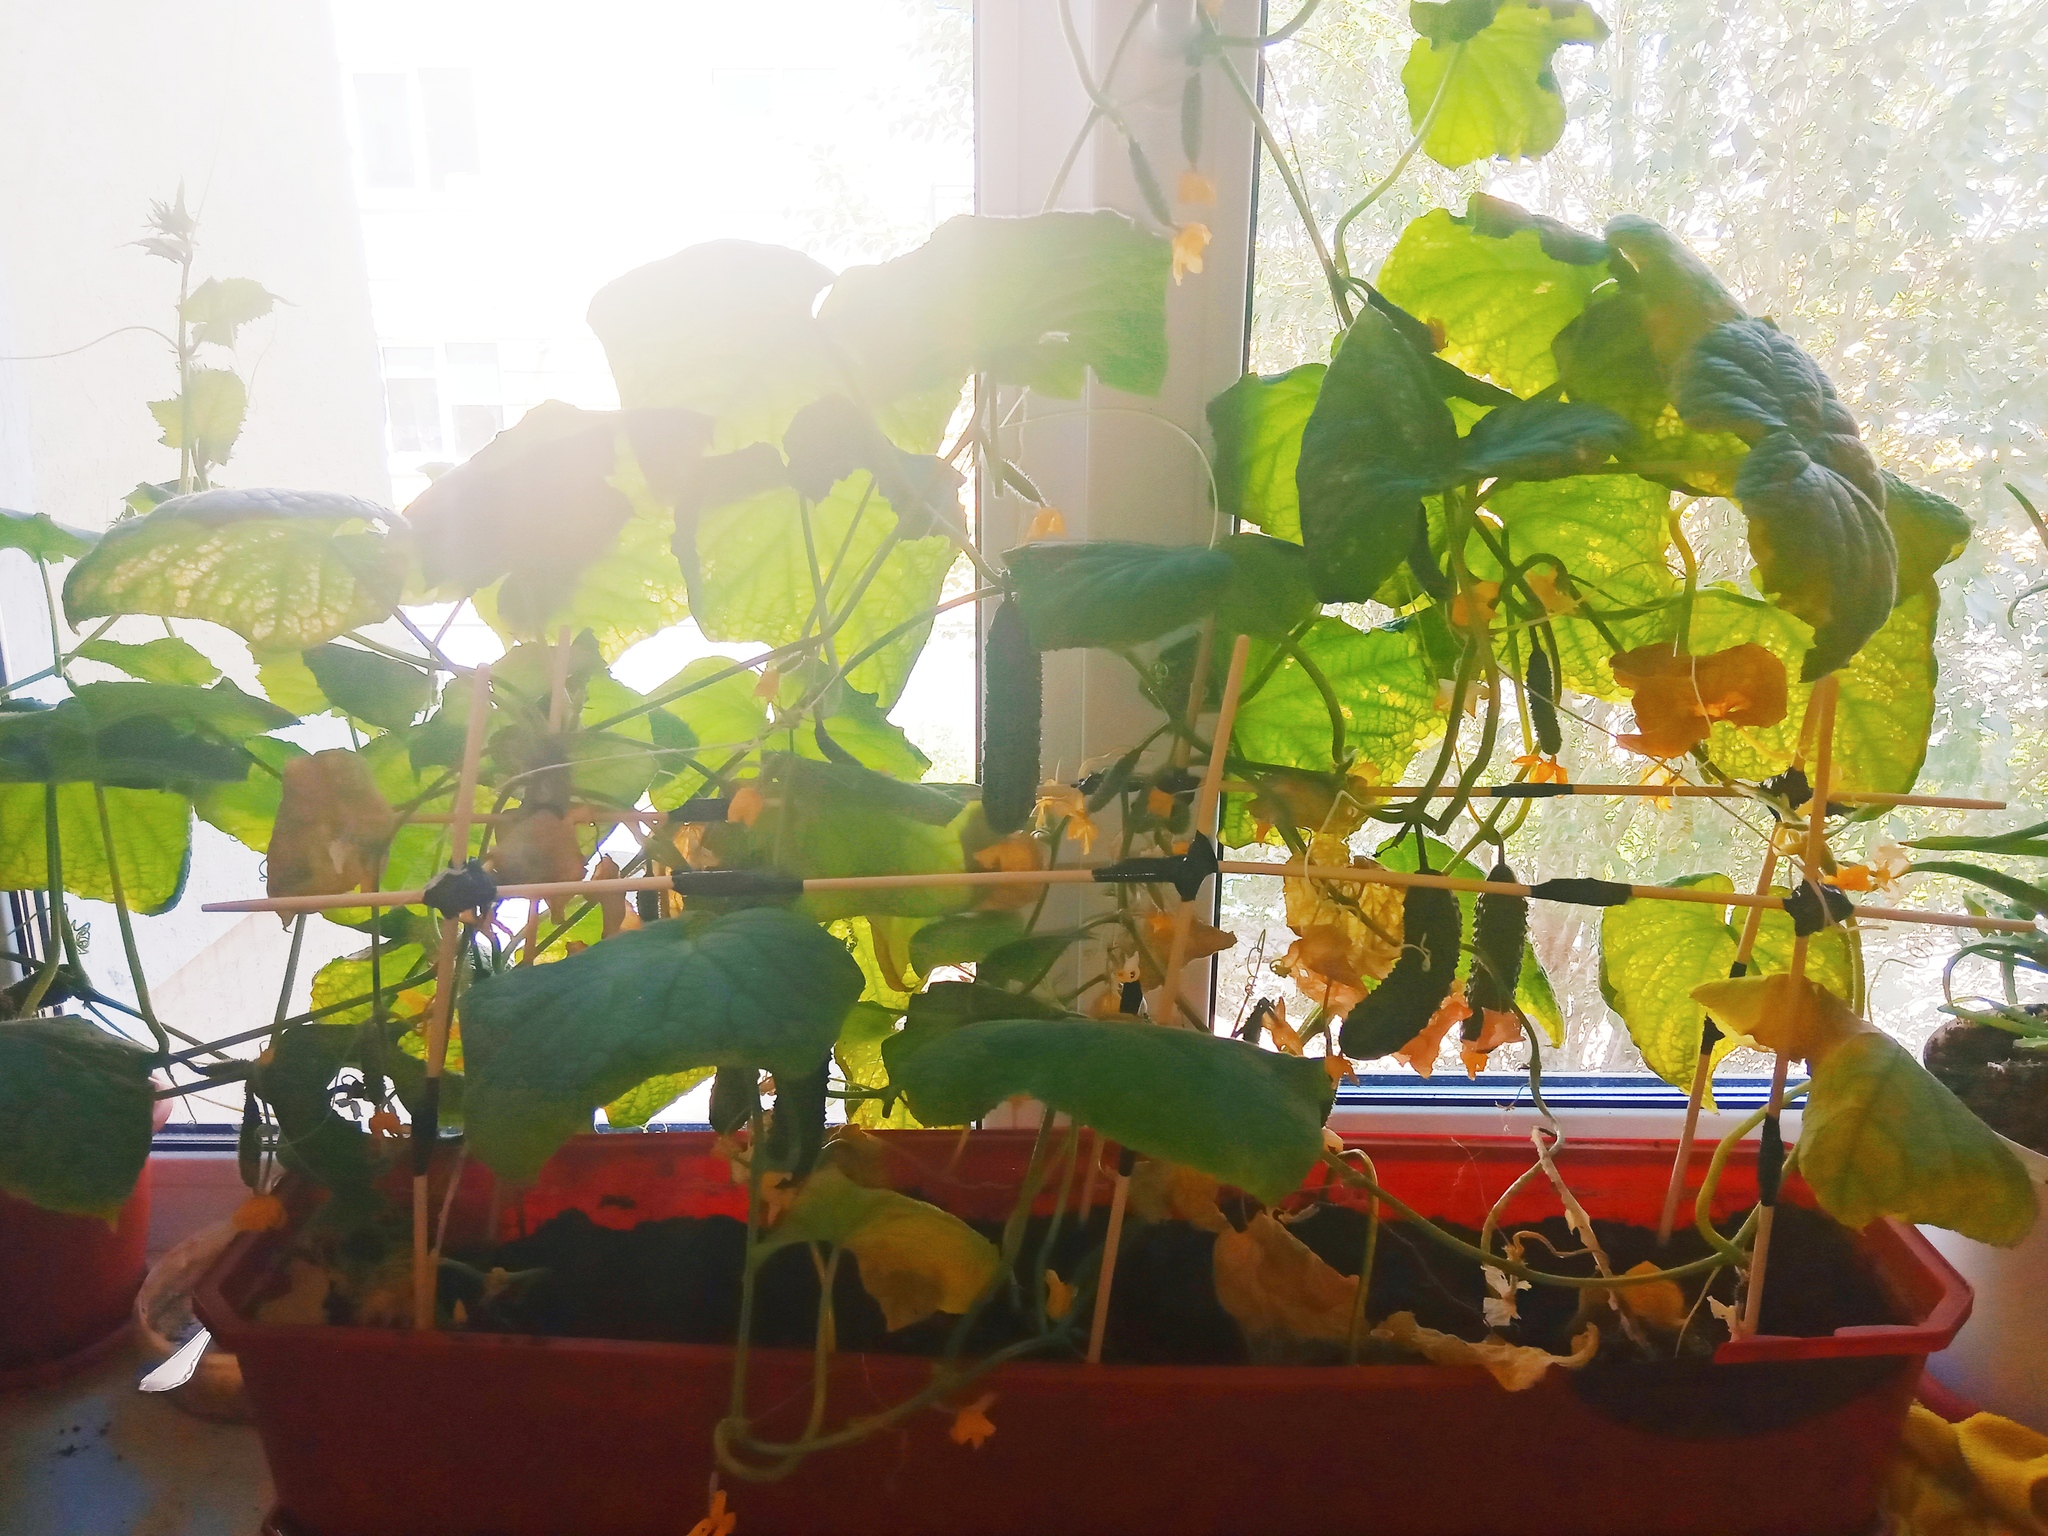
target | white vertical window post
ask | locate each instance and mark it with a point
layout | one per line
(1118, 466)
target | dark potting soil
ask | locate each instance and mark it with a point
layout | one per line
(2005, 1087)
(677, 1280)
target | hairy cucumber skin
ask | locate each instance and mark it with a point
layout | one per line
(1541, 691)
(1397, 1010)
(1500, 927)
(1012, 701)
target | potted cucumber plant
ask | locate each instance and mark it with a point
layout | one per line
(845, 1305)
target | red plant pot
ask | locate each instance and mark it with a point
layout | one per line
(386, 1433)
(66, 1285)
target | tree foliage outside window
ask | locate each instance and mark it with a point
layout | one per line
(1873, 176)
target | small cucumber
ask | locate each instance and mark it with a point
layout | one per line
(1500, 929)
(1541, 691)
(1013, 687)
(1396, 1011)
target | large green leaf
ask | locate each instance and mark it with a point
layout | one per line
(296, 1077)
(350, 976)
(1502, 283)
(963, 938)
(854, 726)
(1032, 301)
(1385, 692)
(915, 1259)
(282, 569)
(152, 831)
(163, 660)
(41, 539)
(1653, 953)
(1379, 439)
(378, 690)
(1611, 532)
(569, 512)
(749, 357)
(823, 820)
(136, 736)
(1249, 1117)
(1883, 711)
(1257, 425)
(721, 717)
(75, 1109)
(547, 1044)
(1109, 593)
(749, 575)
(641, 1103)
(247, 811)
(208, 415)
(1927, 530)
(1812, 493)
(1502, 100)
(1881, 1137)
(1269, 591)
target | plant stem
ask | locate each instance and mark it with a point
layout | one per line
(135, 971)
(1443, 90)
(1339, 297)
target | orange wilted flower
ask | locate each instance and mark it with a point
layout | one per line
(1889, 863)
(971, 1425)
(1057, 801)
(1059, 1297)
(1663, 776)
(1189, 241)
(1475, 607)
(1420, 1053)
(745, 805)
(1196, 188)
(1046, 523)
(259, 1213)
(1543, 769)
(720, 1521)
(1159, 802)
(770, 683)
(1544, 585)
(1496, 1028)
(1679, 697)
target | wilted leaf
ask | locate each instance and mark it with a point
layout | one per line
(1275, 1286)
(1679, 697)
(332, 827)
(1348, 934)
(915, 1259)
(1516, 1367)
(282, 569)
(1812, 493)
(75, 1109)
(1503, 101)
(1793, 1016)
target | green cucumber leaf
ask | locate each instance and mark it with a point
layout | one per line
(1269, 591)
(1109, 593)
(247, 811)
(1928, 531)
(152, 834)
(1500, 282)
(39, 538)
(868, 1028)
(377, 690)
(1257, 425)
(1542, 440)
(221, 306)
(1812, 493)
(282, 569)
(825, 819)
(1385, 690)
(545, 1045)
(963, 939)
(1502, 101)
(636, 1106)
(1537, 998)
(1882, 1137)
(75, 1115)
(164, 660)
(207, 415)
(1248, 1117)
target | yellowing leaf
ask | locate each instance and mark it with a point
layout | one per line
(1163, 1191)
(1337, 942)
(1515, 1366)
(1276, 1286)
(332, 827)
(915, 1259)
(1798, 1018)
(1661, 1305)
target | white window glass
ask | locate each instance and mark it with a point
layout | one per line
(1887, 209)
(414, 178)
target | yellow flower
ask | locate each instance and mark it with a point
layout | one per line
(1543, 769)
(259, 1213)
(971, 1424)
(1189, 241)
(1475, 607)
(1059, 1296)
(1046, 523)
(770, 683)
(720, 1521)
(1159, 802)
(1889, 863)
(1058, 802)
(1662, 774)
(745, 805)
(1544, 585)
(1196, 188)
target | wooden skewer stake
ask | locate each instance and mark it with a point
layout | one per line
(558, 716)
(1118, 1200)
(1201, 826)
(1816, 847)
(426, 1124)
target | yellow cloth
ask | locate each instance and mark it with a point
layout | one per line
(1986, 1476)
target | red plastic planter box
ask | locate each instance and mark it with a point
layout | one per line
(66, 1285)
(385, 1433)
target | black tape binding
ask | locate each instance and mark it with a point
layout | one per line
(1528, 791)
(1130, 997)
(1791, 786)
(1185, 872)
(742, 884)
(468, 889)
(1770, 1162)
(1813, 908)
(1582, 893)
